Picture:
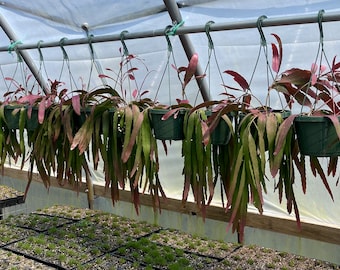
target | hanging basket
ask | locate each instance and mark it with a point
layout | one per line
(284, 114)
(79, 120)
(32, 123)
(221, 134)
(12, 116)
(169, 129)
(317, 136)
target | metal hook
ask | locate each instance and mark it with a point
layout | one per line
(39, 50)
(122, 36)
(166, 32)
(320, 17)
(259, 27)
(89, 36)
(207, 31)
(61, 44)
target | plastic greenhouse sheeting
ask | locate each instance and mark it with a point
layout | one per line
(45, 21)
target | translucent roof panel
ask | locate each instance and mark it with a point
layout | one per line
(46, 21)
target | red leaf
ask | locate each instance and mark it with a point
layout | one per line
(134, 93)
(76, 104)
(144, 93)
(165, 147)
(317, 167)
(335, 66)
(275, 61)
(277, 55)
(204, 130)
(182, 101)
(31, 99)
(332, 166)
(297, 214)
(177, 69)
(170, 113)
(191, 69)
(300, 165)
(131, 70)
(296, 76)
(239, 79)
(41, 112)
(246, 100)
(104, 76)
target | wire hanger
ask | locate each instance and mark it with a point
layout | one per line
(122, 37)
(13, 47)
(259, 28)
(66, 61)
(41, 61)
(167, 33)
(94, 62)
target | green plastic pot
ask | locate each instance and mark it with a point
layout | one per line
(221, 134)
(169, 129)
(33, 122)
(317, 136)
(12, 116)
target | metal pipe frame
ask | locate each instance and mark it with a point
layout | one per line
(189, 49)
(25, 55)
(269, 22)
(181, 32)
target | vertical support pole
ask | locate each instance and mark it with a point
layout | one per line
(175, 15)
(24, 54)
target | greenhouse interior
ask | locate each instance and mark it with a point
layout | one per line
(100, 97)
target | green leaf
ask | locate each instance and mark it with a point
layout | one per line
(83, 137)
(282, 132)
(271, 131)
(238, 198)
(236, 169)
(129, 145)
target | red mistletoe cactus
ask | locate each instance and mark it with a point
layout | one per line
(317, 88)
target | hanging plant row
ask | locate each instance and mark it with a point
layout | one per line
(70, 130)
